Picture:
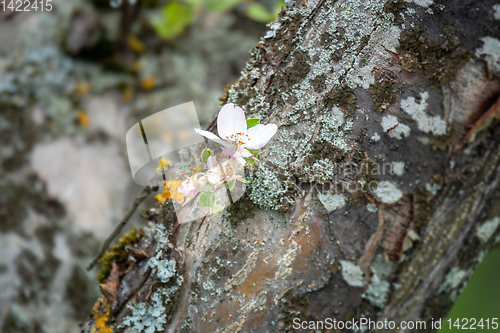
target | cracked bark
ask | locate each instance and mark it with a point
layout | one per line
(269, 259)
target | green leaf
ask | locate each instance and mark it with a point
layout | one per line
(220, 5)
(231, 183)
(195, 2)
(217, 209)
(254, 152)
(205, 155)
(251, 122)
(259, 13)
(250, 161)
(243, 180)
(207, 199)
(175, 18)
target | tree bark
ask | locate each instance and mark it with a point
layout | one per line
(376, 199)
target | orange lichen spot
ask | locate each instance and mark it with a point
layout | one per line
(148, 83)
(83, 118)
(223, 99)
(171, 191)
(128, 94)
(135, 44)
(165, 163)
(83, 88)
(101, 311)
(163, 196)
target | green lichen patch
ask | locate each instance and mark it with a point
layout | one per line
(439, 59)
(382, 91)
(304, 91)
(318, 147)
(320, 171)
(341, 96)
(118, 254)
(339, 33)
(335, 41)
(267, 189)
(454, 279)
(153, 315)
(395, 7)
(321, 163)
(352, 273)
(487, 229)
(379, 287)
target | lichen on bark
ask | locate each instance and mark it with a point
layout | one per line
(295, 246)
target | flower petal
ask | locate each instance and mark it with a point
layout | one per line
(260, 135)
(232, 152)
(241, 160)
(211, 136)
(231, 120)
(187, 188)
(214, 176)
(211, 162)
(246, 153)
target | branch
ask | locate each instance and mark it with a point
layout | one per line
(141, 196)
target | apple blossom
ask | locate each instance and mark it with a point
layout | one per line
(234, 136)
(187, 187)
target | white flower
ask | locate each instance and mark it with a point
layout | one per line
(235, 138)
(200, 181)
(211, 162)
(187, 187)
(214, 175)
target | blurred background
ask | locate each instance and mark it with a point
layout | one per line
(73, 80)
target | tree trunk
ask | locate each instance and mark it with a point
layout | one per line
(376, 199)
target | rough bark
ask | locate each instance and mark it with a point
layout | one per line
(395, 101)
